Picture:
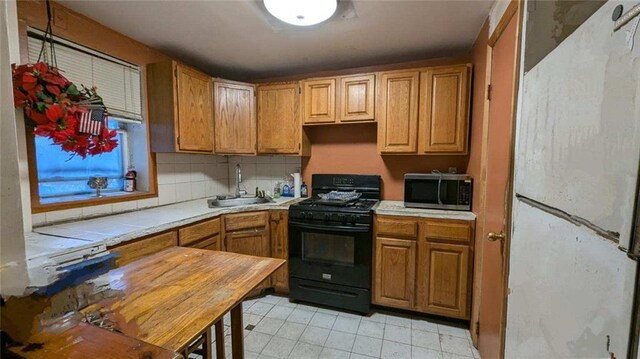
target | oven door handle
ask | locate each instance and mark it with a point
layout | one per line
(331, 228)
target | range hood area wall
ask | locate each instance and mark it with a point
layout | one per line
(352, 149)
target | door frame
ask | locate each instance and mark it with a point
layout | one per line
(515, 8)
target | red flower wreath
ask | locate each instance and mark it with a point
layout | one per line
(51, 104)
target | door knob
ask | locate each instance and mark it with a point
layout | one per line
(492, 237)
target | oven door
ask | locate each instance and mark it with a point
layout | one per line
(330, 253)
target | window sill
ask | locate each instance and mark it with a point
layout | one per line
(79, 201)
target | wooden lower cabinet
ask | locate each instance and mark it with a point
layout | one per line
(278, 225)
(143, 247)
(395, 272)
(444, 280)
(212, 243)
(248, 233)
(203, 235)
(426, 267)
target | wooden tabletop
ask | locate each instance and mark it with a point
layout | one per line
(83, 341)
(169, 298)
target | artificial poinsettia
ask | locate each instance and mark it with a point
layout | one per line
(51, 104)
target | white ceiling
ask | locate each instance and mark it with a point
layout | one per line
(240, 40)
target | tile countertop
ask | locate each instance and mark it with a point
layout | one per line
(397, 208)
(123, 227)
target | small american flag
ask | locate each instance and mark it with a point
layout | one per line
(91, 121)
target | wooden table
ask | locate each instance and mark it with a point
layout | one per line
(83, 341)
(171, 298)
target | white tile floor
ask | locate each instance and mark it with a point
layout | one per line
(300, 331)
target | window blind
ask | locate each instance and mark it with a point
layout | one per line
(118, 82)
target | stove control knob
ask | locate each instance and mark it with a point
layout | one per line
(327, 216)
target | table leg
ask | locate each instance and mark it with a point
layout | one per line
(237, 332)
(219, 339)
(207, 345)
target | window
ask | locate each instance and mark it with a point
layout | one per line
(61, 178)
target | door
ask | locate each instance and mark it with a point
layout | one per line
(395, 263)
(279, 222)
(398, 112)
(278, 119)
(319, 101)
(444, 109)
(195, 118)
(497, 194)
(448, 281)
(234, 118)
(357, 98)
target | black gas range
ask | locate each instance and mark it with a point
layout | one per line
(331, 245)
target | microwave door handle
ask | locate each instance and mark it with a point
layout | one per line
(439, 184)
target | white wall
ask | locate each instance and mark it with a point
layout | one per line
(13, 273)
(578, 147)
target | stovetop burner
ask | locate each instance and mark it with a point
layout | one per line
(365, 204)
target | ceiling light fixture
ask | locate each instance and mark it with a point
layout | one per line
(301, 12)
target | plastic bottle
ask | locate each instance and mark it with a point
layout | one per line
(130, 180)
(303, 190)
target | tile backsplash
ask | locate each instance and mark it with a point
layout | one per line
(262, 171)
(183, 177)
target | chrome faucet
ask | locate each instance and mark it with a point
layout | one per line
(239, 191)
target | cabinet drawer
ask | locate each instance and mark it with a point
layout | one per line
(211, 243)
(448, 231)
(240, 221)
(198, 231)
(130, 252)
(397, 227)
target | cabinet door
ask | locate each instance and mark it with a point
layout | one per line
(444, 287)
(278, 119)
(357, 98)
(234, 118)
(194, 110)
(211, 243)
(279, 223)
(319, 101)
(132, 251)
(252, 242)
(395, 272)
(398, 112)
(444, 109)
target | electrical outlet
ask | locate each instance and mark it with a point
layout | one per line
(453, 170)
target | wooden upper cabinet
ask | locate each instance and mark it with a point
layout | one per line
(397, 111)
(444, 109)
(180, 108)
(394, 272)
(319, 98)
(234, 117)
(279, 127)
(357, 97)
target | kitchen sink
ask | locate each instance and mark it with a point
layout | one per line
(239, 201)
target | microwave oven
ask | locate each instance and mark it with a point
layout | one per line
(438, 191)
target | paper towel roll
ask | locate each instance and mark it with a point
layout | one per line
(296, 185)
